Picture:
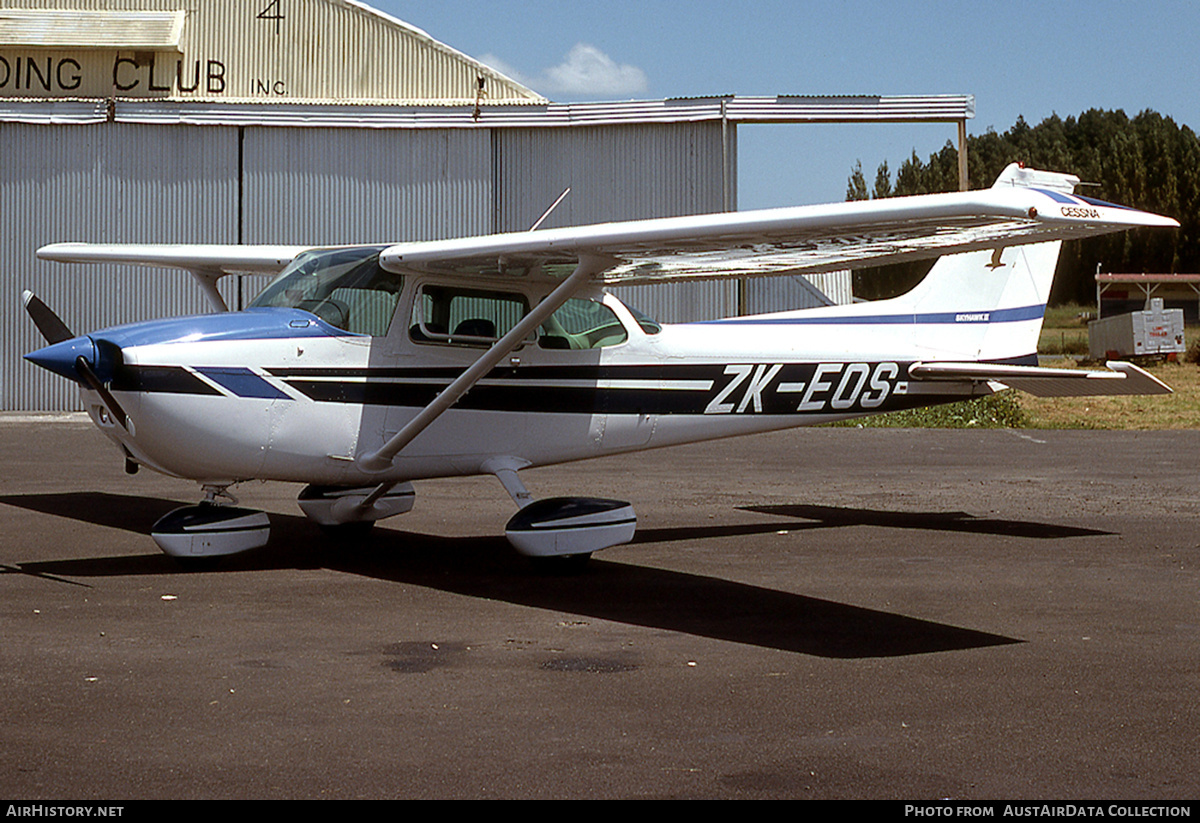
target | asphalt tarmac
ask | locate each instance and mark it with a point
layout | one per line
(813, 614)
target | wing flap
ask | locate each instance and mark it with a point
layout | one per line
(1121, 379)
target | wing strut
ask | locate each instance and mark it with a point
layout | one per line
(208, 283)
(588, 267)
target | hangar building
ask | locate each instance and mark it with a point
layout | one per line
(320, 122)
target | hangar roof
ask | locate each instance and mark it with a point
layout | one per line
(266, 51)
(325, 63)
(733, 109)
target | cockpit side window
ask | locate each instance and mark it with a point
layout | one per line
(464, 317)
(346, 288)
(454, 315)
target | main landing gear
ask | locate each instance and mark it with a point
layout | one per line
(560, 533)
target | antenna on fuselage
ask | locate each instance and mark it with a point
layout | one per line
(553, 206)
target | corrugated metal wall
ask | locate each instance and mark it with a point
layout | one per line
(340, 186)
(133, 183)
(771, 294)
(622, 172)
(103, 183)
(626, 172)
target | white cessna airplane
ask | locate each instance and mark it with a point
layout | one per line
(361, 369)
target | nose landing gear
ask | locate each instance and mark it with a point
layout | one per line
(212, 528)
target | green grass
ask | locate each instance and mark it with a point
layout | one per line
(1065, 329)
(997, 411)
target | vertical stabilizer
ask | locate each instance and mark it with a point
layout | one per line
(987, 305)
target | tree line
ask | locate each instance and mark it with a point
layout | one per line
(1147, 162)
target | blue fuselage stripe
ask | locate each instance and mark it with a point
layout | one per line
(1015, 315)
(242, 382)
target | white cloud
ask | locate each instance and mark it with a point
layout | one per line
(586, 71)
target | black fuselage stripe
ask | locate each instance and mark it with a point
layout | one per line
(582, 372)
(164, 379)
(772, 389)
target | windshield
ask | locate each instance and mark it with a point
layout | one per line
(344, 287)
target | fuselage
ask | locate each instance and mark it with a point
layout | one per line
(280, 393)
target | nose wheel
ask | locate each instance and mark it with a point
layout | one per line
(216, 527)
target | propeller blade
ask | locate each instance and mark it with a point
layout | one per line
(48, 323)
(89, 376)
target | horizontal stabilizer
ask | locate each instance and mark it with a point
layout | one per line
(1121, 379)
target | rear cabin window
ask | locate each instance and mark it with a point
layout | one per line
(582, 324)
(649, 324)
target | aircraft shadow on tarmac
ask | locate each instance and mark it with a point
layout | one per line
(827, 516)
(610, 590)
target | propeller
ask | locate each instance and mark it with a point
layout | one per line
(71, 359)
(95, 384)
(48, 323)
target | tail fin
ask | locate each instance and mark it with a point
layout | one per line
(989, 305)
(985, 305)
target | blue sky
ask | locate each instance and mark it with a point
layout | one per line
(1017, 58)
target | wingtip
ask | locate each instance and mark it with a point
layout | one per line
(1157, 221)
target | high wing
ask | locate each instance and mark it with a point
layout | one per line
(202, 257)
(1024, 206)
(207, 263)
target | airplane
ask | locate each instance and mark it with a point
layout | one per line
(360, 369)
